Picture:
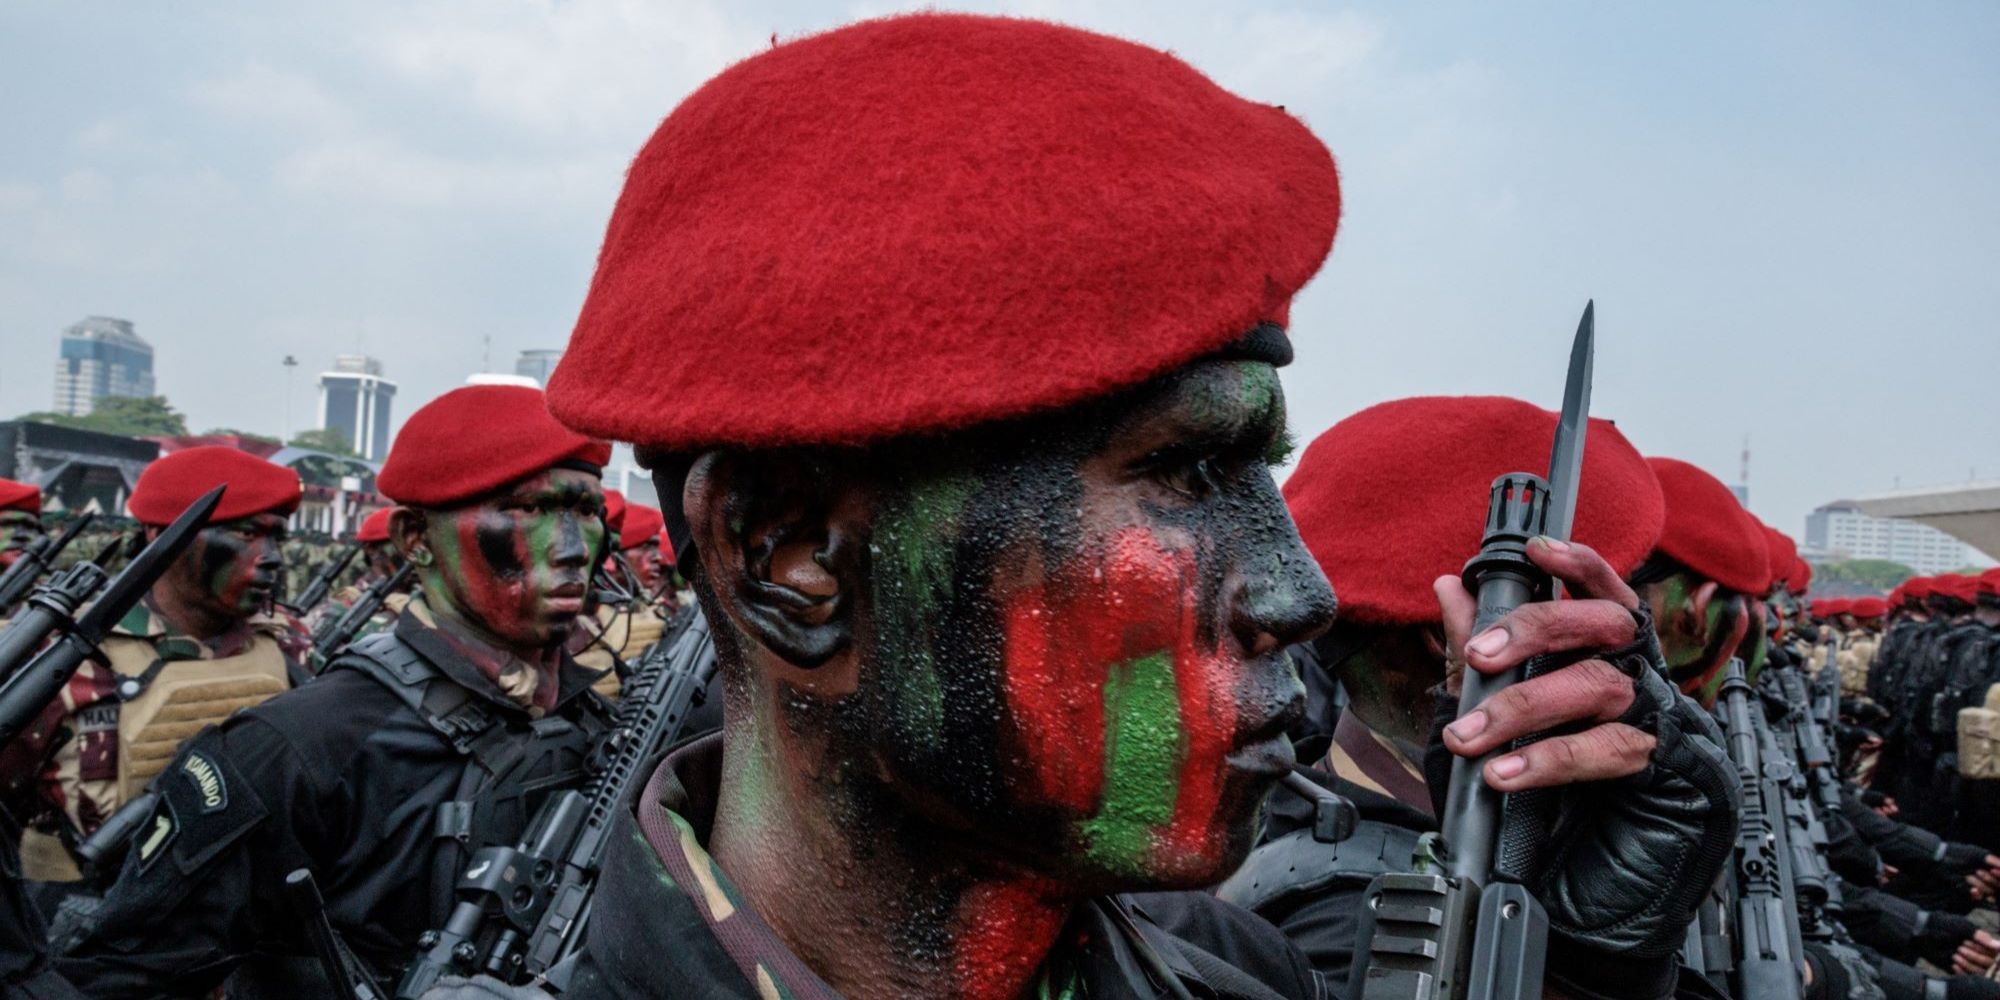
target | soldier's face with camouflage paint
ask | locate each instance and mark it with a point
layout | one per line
(382, 558)
(516, 566)
(17, 529)
(1070, 637)
(231, 569)
(646, 565)
(1701, 627)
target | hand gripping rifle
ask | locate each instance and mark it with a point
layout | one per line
(1463, 926)
(37, 558)
(1768, 958)
(316, 591)
(522, 910)
(28, 691)
(334, 634)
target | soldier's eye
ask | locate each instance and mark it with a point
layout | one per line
(1193, 476)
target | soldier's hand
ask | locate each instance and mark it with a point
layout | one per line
(1647, 795)
(1976, 955)
(1984, 881)
(1591, 693)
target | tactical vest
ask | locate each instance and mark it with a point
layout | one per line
(157, 704)
(1302, 862)
(511, 763)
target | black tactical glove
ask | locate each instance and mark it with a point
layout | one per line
(1628, 861)
(1939, 936)
(1963, 859)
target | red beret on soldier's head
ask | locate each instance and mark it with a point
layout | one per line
(614, 509)
(1393, 497)
(1783, 555)
(1868, 607)
(642, 524)
(20, 496)
(172, 483)
(1989, 582)
(474, 440)
(374, 527)
(1916, 588)
(1957, 586)
(1800, 579)
(862, 234)
(1708, 531)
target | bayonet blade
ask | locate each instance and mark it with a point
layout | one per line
(1566, 454)
(146, 567)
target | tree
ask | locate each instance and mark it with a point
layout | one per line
(245, 435)
(327, 439)
(132, 416)
(1876, 574)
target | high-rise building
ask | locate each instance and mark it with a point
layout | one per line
(101, 356)
(354, 398)
(537, 365)
(1842, 531)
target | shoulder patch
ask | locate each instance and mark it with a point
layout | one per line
(152, 841)
(211, 791)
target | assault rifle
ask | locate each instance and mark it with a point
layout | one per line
(522, 910)
(1462, 925)
(29, 690)
(37, 558)
(316, 591)
(1815, 890)
(1768, 957)
(334, 634)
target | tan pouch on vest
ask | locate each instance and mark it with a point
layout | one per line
(184, 697)
(1979, 743)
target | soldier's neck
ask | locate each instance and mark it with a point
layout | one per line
(189, 617)
(861, 890)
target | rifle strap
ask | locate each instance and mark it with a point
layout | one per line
(1299, 863)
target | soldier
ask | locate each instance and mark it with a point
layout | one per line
(380, 561)
(639, 544)
(199, 646)
(20, 519)
(1387, 501)
(1001, 641)
(1927, 787)
(611, 638)
(414, 748)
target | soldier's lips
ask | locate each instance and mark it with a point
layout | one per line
(566, 599)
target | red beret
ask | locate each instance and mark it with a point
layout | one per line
(1989, 581)
(474, 440)
(1394, 496)
(1708, 531)
(1917, 587)
(879, 223)
(1868, 607)
(614, 509)
(1957, 586)
(20, 496)
(1782, 554)
(374, 527)
(171, 483)
(642, 524)
(1800, 579)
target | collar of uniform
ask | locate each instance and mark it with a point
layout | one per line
(143, 621)
(448, 656)
(1367, 758)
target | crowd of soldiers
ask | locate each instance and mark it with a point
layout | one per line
(973, 651)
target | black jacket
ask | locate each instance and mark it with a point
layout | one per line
(340, 776)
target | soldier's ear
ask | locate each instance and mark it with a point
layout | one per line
(406, 532)
(779, 537)
(1693, 612)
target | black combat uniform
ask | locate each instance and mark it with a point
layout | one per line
(666, 922)
(381, 776)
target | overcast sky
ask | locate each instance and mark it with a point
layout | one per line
(1789, 214)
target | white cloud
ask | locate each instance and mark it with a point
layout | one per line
(269, 96)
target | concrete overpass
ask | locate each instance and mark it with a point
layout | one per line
(1969, 511)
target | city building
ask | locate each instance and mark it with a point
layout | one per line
(77, 470)
(1843, 530)
(537, 365)
(101, 356)
(354, 398)
(1969, 511)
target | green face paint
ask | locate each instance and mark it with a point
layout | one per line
(516, 566)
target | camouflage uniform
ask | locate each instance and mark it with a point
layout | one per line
(614, 637)
(97, 746)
